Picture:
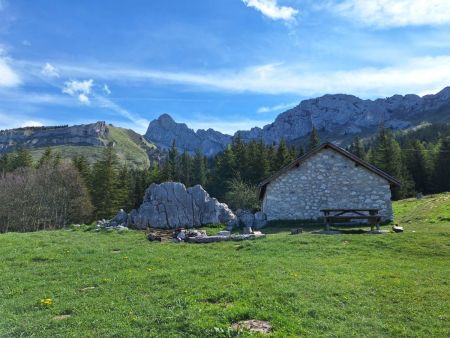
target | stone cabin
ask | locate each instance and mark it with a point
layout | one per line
(326, 177)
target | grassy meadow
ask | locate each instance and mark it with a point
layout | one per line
(78, 283)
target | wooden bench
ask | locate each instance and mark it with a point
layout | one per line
(346, 215)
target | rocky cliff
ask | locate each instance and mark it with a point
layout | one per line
(338, 118)
(36, 137)
(87, 140)
(164, 130)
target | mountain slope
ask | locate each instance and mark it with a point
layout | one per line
(87, 140)
(338, 118)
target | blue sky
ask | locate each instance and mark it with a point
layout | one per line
(225, 64)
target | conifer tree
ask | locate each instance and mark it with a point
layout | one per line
(57, 159)
(46, 158)
(387, 155)
(82, 165)
(357, 148)
(5, 163)
(258, 166)
(173, 162)
(199, 169)
(314, 139)
(224, 172)
(283, 157)
(105, 194)
(240, 151)
(419, 165)
(301, 151)
(186, 169)
(442, 169)
(22, 159)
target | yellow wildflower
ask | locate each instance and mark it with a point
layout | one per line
(47, 301)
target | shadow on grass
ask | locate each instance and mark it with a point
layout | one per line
(275, 227)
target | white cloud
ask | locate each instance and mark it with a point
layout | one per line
(271, 9)
(12, 96)
(80, 89)
(9, 120)
(140, 124)
(8, 78)
(278, 107)
(394, 13)
(32, 123)
(83, 98)
(413, 75)
(106, 89)
(49, 71)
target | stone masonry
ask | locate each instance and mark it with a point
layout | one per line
(325, 180)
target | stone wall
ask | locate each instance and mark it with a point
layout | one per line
(325, 180)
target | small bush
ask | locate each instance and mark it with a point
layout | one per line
(242, 195)
(48, 197)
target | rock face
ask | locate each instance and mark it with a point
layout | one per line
(86, 134)
(164, 130)
(334, 116)
(339, 115)
(170, 205)
(248, 220)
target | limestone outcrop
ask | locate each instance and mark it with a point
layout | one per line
(171, 205)
(35, 137)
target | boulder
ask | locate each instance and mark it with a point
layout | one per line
(397, 228)
(120, 218)
(296, 231)
(246, 219)
(247, 230)
(154, 238)
(170, 205)
(260, 220)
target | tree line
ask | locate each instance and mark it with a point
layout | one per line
(419, 159)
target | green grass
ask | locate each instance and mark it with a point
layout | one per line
(130, 148)
(119, 284)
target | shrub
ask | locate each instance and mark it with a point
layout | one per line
(242, 195)
(45, 198)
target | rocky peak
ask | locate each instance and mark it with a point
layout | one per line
(163, 130)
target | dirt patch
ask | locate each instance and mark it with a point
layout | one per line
(252, 325)
(165, 235)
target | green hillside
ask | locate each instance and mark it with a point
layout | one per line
(80, 283)
(130, 146)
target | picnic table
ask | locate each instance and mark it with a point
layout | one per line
(343, 215)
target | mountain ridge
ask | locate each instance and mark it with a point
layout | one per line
(337, 117)
(85, 139)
